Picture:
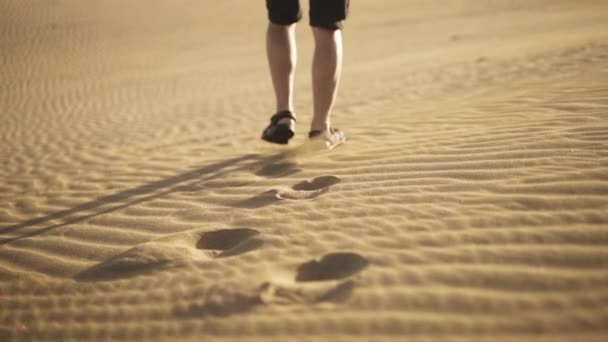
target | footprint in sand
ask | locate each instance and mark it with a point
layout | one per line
(324, 280)
(229, 242)
(332, 266)
(305, 190)
(174, 251)
(309, 189)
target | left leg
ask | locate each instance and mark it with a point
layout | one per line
(281, 53)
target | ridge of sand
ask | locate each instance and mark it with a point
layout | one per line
(137, 202)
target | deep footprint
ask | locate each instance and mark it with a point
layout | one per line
(174, 251)
(301, 195)
(229, 242)
(317, 281)
(332, 266)
(310, 189)
(140, 260)
(317, 183)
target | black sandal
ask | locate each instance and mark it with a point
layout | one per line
(279, 133)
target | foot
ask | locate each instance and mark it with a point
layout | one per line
(281, 128)
(289, 122)
(331, 137)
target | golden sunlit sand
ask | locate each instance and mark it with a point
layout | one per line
(137, 201)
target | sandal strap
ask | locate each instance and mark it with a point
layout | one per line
(282, 115)
(316, 133)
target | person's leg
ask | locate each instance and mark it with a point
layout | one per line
(326, 18)
(281, 52)
(326, 70)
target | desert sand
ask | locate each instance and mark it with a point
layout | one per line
(137, 201)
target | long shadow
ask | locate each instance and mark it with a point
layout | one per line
(149, 192)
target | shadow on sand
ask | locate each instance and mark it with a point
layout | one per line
(259, 164)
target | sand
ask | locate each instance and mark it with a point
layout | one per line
(137, 201)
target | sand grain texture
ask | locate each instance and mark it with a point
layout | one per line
(469, 203)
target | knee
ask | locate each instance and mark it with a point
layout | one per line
(280, 29)
(323, 34)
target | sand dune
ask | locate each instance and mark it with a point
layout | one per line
(469, 203)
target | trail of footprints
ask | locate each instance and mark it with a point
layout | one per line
(329, 278)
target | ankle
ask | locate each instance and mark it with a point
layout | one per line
(287, 120)
(285, 108)
(323, 127)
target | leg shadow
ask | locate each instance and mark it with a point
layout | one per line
(148, 192)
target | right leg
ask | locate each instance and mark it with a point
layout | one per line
(281, 51)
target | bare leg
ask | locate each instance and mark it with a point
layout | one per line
(281, 53)
(326, 70)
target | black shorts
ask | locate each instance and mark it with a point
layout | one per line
(327, 14)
